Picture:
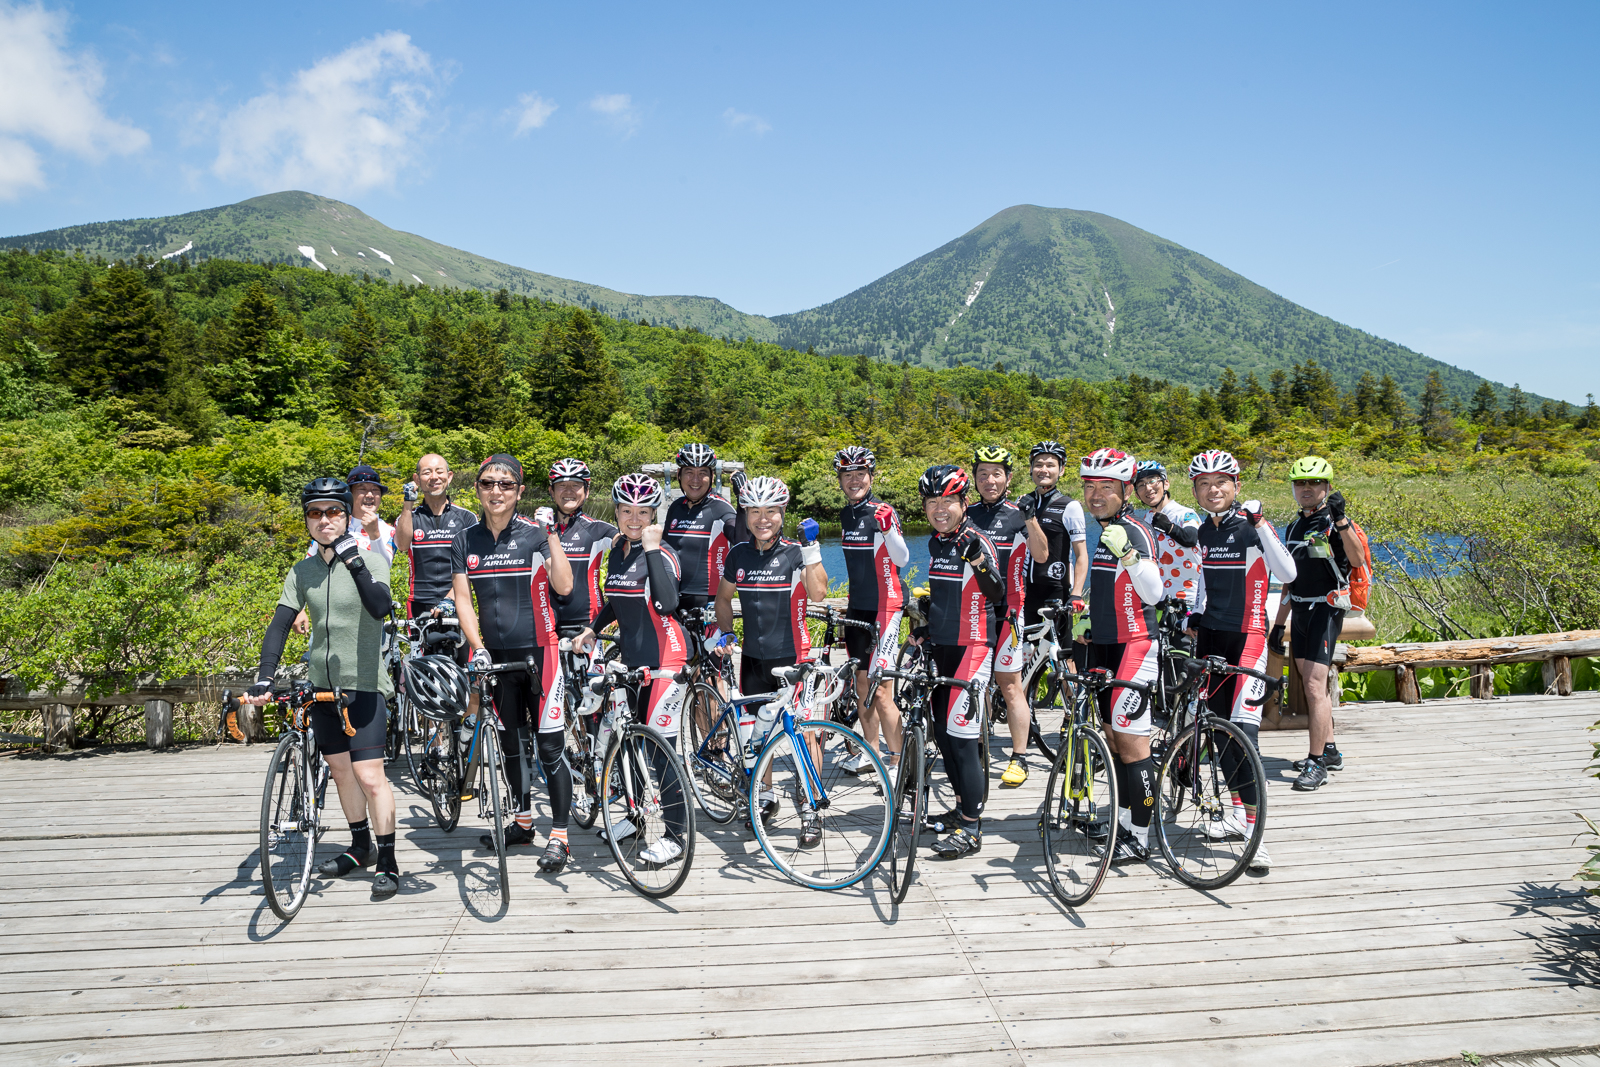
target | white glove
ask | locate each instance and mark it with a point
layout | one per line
(811, 553)
(482, 659)
(544, 516)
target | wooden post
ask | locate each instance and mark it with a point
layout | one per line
(1482, 683)
(1557, 676)
(59, 728)
(1297, 690)
(1405, 685)
(1335, 688)
(158, 724)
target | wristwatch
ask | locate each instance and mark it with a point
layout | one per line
(1342, 528)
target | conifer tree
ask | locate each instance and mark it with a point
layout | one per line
(597, 386)
(111, 340)
(1229, 398)
(1485, 405)
(681, 404)
(367, 375)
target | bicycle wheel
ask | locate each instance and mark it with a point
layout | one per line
(1045, 700)
(851, 816)
(1205, 836)
(986, 734)
(411, 737)
(288, 829)
(1079, 824)
(489, 775)
(714, 756)
(649, 817)
(909, 661)
(443, 758)
(580, 761)
(910, 807)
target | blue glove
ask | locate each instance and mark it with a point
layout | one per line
(809, 528)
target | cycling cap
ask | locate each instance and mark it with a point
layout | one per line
(436, 686)
(570, 470)
(1148, 468)
(1048, 448)
(695, 455)
(1311, 469)
(325, 489)
(764, 492)
(943, 480)
(1111, 464)
(991, 454)
(854, 458)
(364, 473)
(638, 489)
(500, 459)
(1214, 461)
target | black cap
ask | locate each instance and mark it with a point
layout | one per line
(364, 473)
(500, 459)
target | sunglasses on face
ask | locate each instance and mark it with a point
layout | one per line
(320, 513)
(490, 483)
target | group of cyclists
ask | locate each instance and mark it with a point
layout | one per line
(521, 585)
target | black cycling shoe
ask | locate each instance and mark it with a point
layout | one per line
(769, 808)
(385, 885)
(1129, 851)
(1314, 776)
(344, 863)
(555, 856)
(960, 842)
(1096, 831)
(943, 823)
(515, 835)
(811, 831)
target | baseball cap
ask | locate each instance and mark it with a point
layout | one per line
(365, 473)
(500, 459)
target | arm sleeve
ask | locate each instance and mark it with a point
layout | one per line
(895, 542)
(1279, 561)
(371, 586)
(1146, 579)
(272, 644)
(663, 580)
(607, 616)
(1186, 532)
(991, 583)
(1072, 519)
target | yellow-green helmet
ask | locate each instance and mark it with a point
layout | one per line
(1311, 469)
(991, 454)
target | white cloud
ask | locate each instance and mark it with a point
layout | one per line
(618, 107)
(738, 120)
(349, 122)
(531, 112)
(48, 95)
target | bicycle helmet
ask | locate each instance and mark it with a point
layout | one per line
(1214, 461)
(1111, 464)
(764, 492)
(638, 489)
(1311, 469)
(991, 454)
(570, 470)
(1048, 448)
(436, 686)
(325, 489)
(943, 480)
(695, 455)
(1148, 468)
(854, 458)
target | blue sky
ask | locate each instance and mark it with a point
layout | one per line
(1425, 172)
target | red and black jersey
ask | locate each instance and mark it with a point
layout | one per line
(641, 593)
(510, 577)
(962, 597)
(874, 579)
(1236, 573)
(431, 537)
(586, 541)
(701, 534)
(1117, 614)
(1006, 527)
(772, 599)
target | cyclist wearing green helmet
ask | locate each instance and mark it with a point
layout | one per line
(1320, 534)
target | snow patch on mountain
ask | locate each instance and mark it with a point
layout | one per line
(384, 256)
(186, 248)
(311, 253)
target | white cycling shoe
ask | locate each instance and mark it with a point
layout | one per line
(1261, 863)
(664, 850)
(1231, 824)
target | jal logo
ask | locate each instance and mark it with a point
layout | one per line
(740, 576)
(1123, 721)
(511, 544)
(417, 535)
(472, 562)
(663, 720)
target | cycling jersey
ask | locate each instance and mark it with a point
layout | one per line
(1061, 519)
(1122, 602)
(1006, 527)
(510, 576)
(1181, 576)
(701, 534)
(641, 595)
(1312, 541)
(872, 557)
(772, 599)
(346, 640)
(963, 598)
(431, 537)
(1237, 559)
(586, 541)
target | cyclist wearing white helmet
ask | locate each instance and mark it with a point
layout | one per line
(585, 539)
(1177, 532)
(1125, 586)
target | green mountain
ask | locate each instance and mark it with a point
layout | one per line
(305, 229)
(1077, 293)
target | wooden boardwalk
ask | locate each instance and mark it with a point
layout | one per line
(1421, 905)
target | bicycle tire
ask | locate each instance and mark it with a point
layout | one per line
(910, 808)
(409, 736)
(986, 735)
(651, 793)
(489, 772)
(444, 792)
(1043, 691)
(717, 777)
(856, 824)
(288, 829)
(580, 763)
(1194, 791)
(1080, 803)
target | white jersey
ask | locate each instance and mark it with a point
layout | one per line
(1180, 566)
(383, 546)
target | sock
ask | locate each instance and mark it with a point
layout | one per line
(1020, 757)
(525, 819)
(386, 860)
(1142, 794)
(1330, 749)
(558, 833)
(1141, 834)
(1314, 756)
(767, 795)
(1125, 818)
(361, 838)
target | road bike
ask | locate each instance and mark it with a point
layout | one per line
(482, 763)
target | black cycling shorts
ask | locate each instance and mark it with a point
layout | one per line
(755, 675)
(369, 714)
(858, 644)
(1314, 630)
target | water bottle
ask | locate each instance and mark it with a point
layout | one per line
(765, 717)
(468, 725)
(747, 734)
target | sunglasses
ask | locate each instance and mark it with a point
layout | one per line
(490, 483)
(320, 513)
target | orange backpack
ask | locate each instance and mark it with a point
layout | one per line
(1357, 586)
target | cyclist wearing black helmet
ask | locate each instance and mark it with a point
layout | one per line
(344, 589)
(1064, 568)
(966, 589)
(585, 539)
(701, 526)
